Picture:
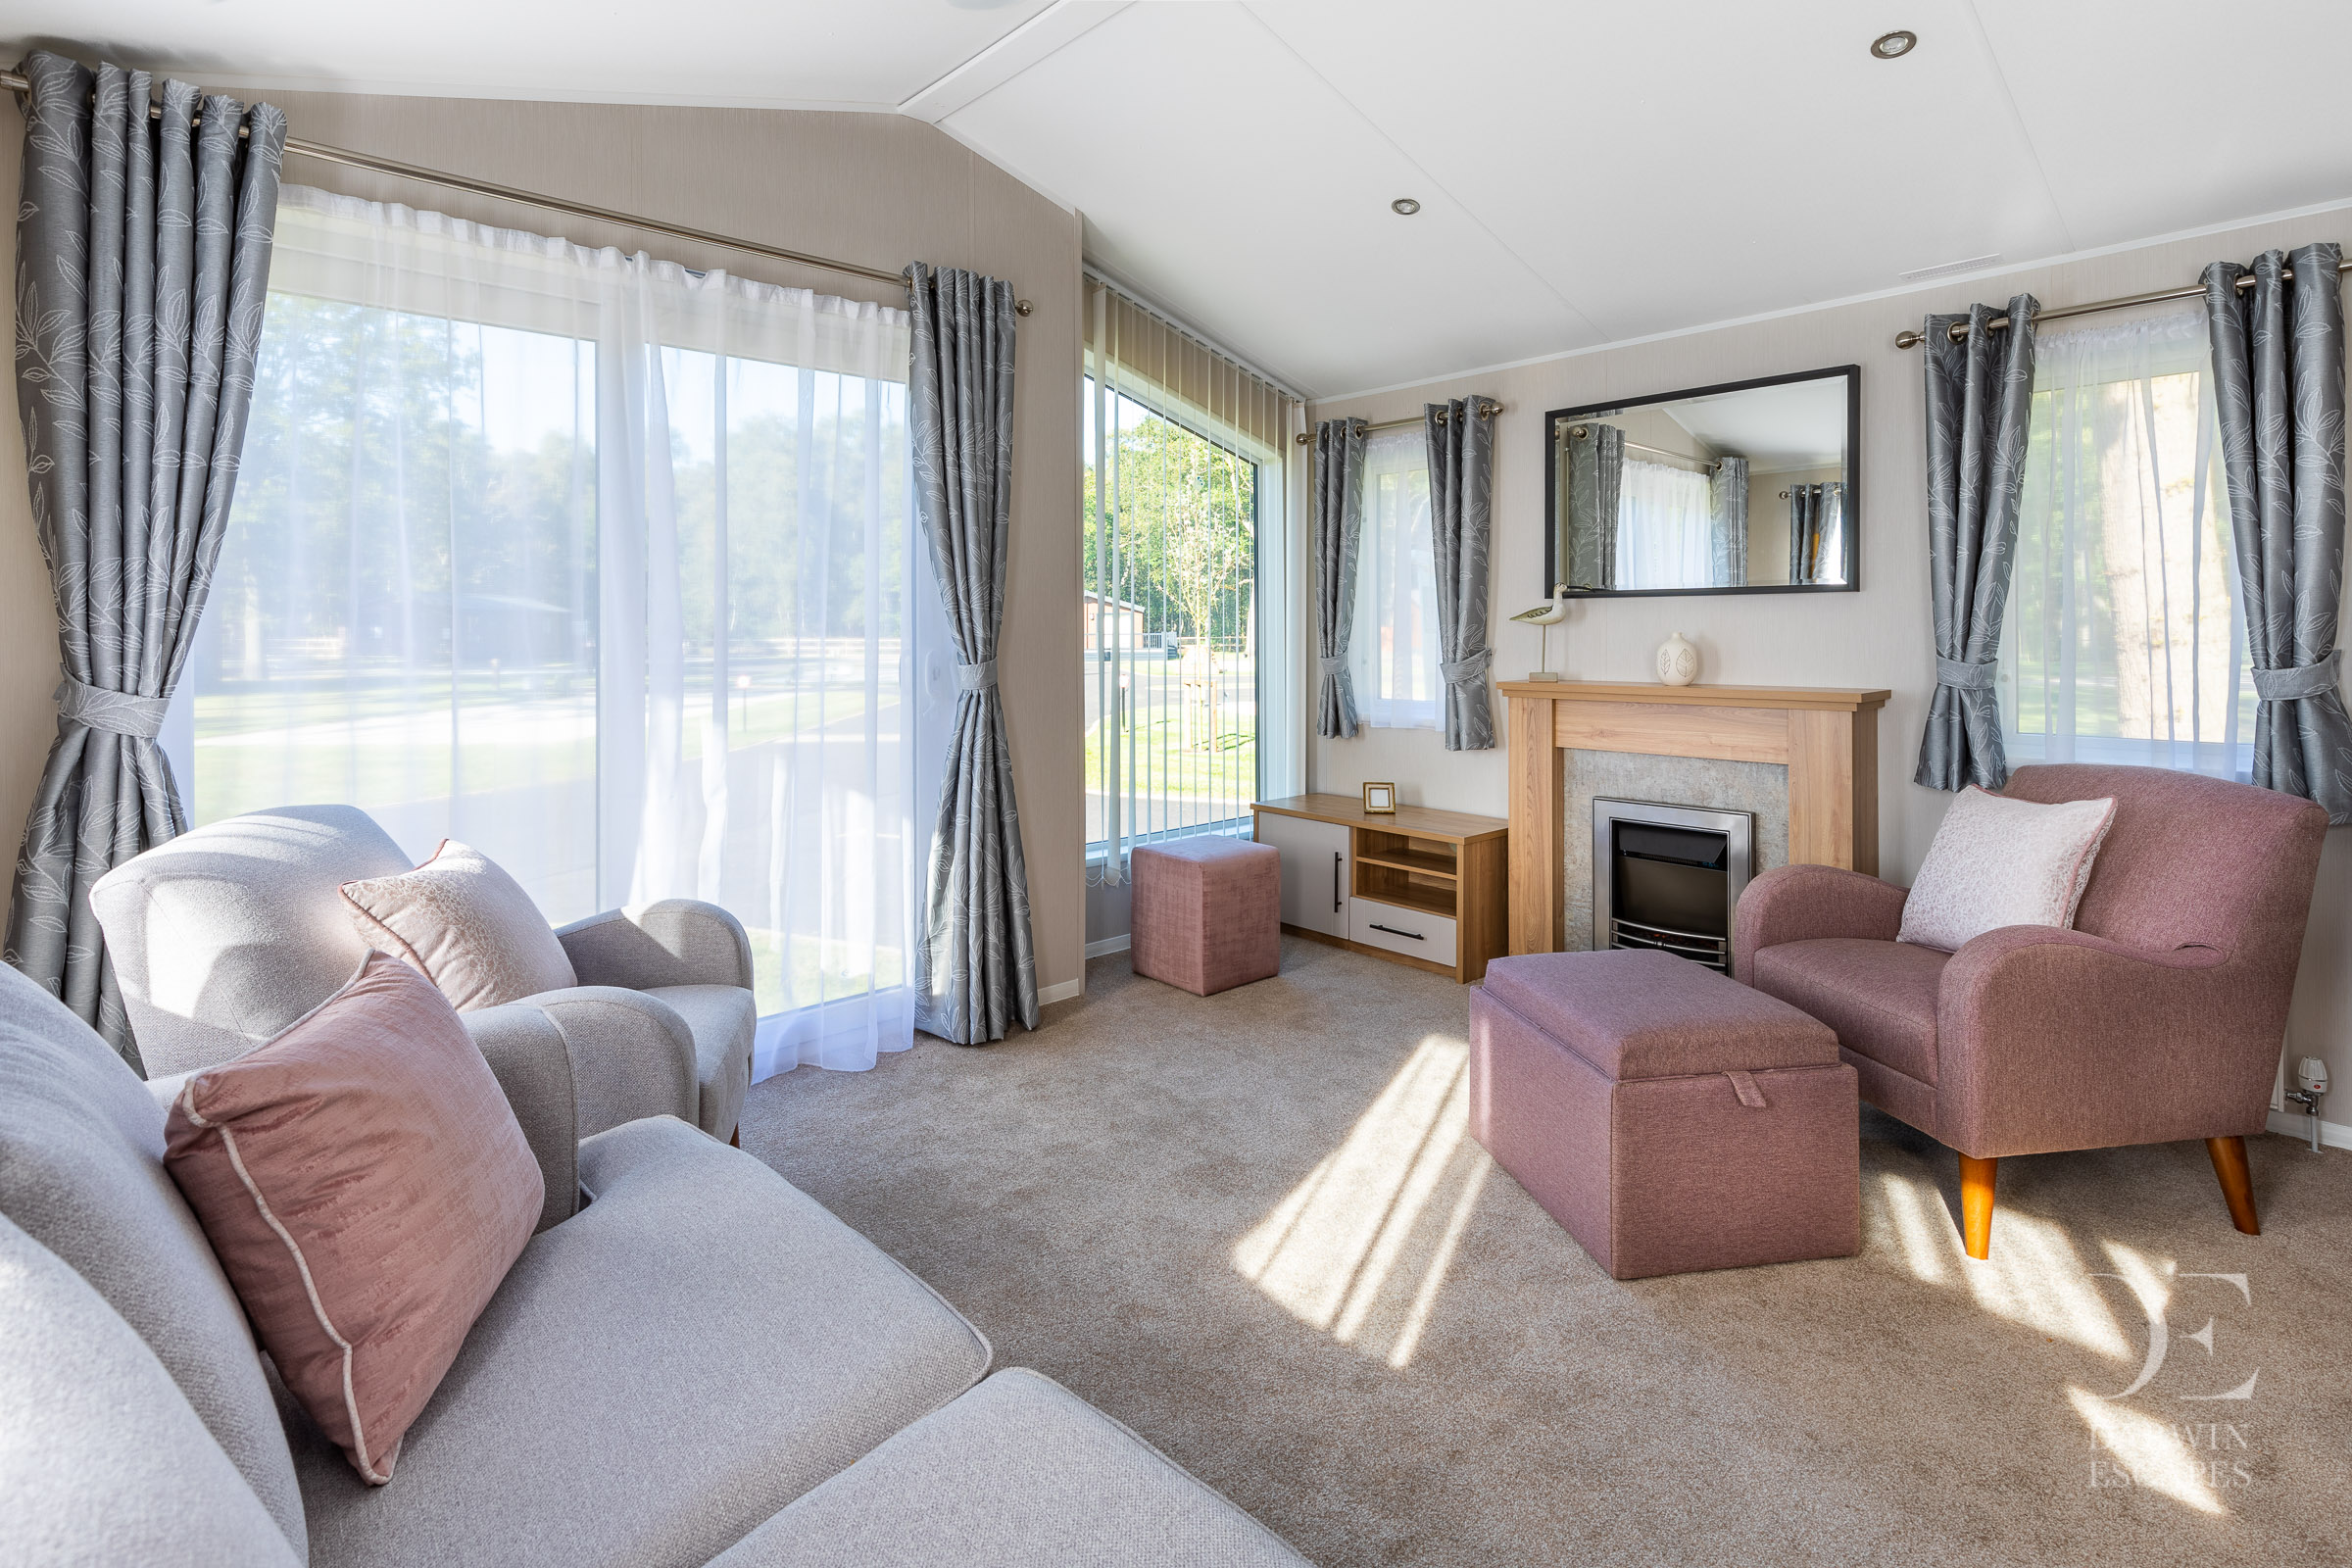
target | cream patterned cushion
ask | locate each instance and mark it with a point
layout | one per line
(464, 926)
(1998, 863)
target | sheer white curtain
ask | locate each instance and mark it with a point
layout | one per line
(597, 565)
(1665, 527)
(1392, 649)
(2124, 641)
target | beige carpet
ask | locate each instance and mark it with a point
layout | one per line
(1253, 1228)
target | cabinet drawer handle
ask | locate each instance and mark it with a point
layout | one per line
(1334, 881)
(1393, 931)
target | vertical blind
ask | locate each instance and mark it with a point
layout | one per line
(1185, 497)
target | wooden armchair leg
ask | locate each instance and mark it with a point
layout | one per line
(1975, 1204)
(2238, 1181)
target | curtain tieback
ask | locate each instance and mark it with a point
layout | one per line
(1966, 675)
(119, 713)
(1468, 670)
(1331, 667)
(979, 677)
(2299, 681)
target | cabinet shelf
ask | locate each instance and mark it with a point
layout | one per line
(1420, 862)
(1405, 896)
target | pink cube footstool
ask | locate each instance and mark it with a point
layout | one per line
(1207, 912)
(1669, 1118)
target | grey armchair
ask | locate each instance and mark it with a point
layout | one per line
(228, 932)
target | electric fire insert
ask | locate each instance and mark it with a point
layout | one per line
(1669, 876)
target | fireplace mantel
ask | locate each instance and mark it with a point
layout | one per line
(1827, 737)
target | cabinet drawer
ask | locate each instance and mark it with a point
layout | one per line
(1398, 929)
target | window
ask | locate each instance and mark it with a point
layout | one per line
(2124, 640)
(1170, 611)
(1188, 676)
(1393, 642)
(597, 565)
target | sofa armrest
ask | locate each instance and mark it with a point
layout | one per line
(631, 1054)
(673, 941)
(2048, 1039)
(1809, 904)
(527, 1054)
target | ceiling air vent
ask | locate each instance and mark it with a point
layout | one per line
(1974, 263)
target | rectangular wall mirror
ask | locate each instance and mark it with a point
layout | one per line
(1743, 488)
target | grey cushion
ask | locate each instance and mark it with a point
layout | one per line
(527, 1055)
(722, 1020)
(228, 932)
(698, 1347)
(632, 1056)
(1019, 1473)
(81, 1145)
(671, 942)
(103, 1461)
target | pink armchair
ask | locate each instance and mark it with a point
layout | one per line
(2159, 1016)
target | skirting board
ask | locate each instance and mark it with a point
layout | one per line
(1117, 944)
(2294, 1124)
(1047, 994)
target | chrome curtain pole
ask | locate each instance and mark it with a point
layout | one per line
(1911, 339)
(322, 152)
(1488, 408)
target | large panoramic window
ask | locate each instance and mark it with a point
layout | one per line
(596, 564)
(2124, 639)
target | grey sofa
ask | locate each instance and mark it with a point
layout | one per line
(228, 932)
(702, 1365)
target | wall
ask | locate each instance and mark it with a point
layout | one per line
(876, 189)
(1878, 636)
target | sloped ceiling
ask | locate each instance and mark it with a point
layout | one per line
(1588, 172)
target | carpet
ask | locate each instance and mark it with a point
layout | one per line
(1253, 1227)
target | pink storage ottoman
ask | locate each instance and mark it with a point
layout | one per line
(1207, 912)
(1669, 1118)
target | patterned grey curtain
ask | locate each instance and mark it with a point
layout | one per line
(1339, 534)
(2279, 384)
(1980, 397)
(1461, 522)
(142, 268)
(1595, 481)
(1727, 522)
(978, 969)
(1804, 530)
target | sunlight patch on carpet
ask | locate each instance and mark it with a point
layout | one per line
(2154, 1455)
(1360, 1250)
(2034, 1277)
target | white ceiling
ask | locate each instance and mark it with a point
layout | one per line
(1589, 173)
(1797, 425)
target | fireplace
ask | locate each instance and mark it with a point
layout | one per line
(1668, 877)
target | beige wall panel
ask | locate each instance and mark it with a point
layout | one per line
(1879, 636)
(876, 189)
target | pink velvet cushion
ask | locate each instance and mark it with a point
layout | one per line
(1997, 862)
(366, 1187)
(464, 926)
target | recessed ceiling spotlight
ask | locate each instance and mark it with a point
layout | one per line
(1893, 45)
(1404, 206)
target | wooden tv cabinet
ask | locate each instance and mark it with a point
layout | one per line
(1422, 887)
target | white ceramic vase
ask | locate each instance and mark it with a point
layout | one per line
(1678, 661)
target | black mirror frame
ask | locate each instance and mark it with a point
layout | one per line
(1853, 486)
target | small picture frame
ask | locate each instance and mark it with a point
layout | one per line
(1380, 799)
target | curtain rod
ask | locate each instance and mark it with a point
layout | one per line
(322, 152)
(1487, 408)
(1584, 433)
(1958, 330)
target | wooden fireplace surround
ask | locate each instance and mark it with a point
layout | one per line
(1828, 738)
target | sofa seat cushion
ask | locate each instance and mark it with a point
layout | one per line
(1880, 997)
(1648, 1014)
(722, 1020)
(657, 1375)
(1019, 1473)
